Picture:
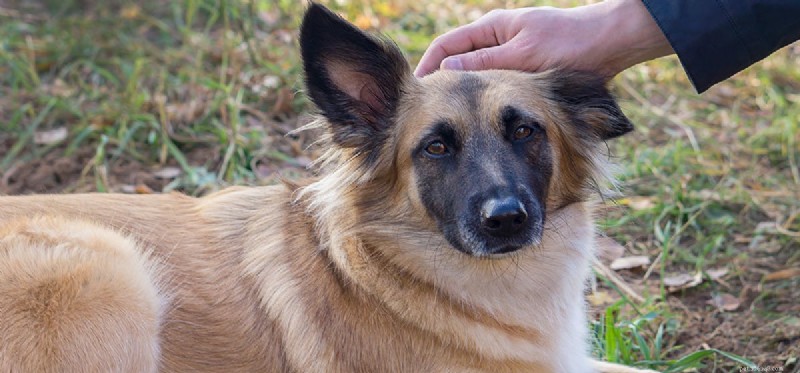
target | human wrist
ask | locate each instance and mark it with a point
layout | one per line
(634, 35)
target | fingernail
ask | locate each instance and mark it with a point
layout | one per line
(452, 64)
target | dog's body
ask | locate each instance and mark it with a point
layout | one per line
(452, 233)
(235, 282)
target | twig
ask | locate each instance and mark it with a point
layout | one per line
(616, 280)
(652, 266)
(784, 228)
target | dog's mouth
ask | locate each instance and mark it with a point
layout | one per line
(501, 251)
(470, 241)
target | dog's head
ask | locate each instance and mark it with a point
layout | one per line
(482, 157)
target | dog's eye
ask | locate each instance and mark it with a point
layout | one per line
(436, 148)
(522, 132)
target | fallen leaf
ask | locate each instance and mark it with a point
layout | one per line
(629, 262)
(608, 249)
(167, 173)
(638, 202)
(725, 302)
(716, 273)
(783, 274)
(682, 281)
(48, 137)
(600, 298)
(678, 280)
(143, 189)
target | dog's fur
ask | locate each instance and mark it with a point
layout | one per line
(379, 265)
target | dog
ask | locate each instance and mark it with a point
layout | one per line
(450, 231)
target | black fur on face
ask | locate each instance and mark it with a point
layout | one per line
(491, 163)
(354, 78)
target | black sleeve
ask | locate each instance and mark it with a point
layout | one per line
(715, 39)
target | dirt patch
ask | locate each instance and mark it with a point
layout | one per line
(763, 324)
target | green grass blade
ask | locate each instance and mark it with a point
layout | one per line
(26, 136)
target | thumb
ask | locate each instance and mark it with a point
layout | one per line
(481, 59)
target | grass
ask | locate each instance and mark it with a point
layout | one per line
(195, 95)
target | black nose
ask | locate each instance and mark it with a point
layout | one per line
(502, 217)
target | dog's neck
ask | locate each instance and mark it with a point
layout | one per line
(513, 308)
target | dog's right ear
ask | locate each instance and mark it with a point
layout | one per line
(354, 78)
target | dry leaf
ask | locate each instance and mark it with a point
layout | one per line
(725, 302)
(783, 274)
(608, 249)
(638, 202)
(682, 281)
(142, 189)
(167, 173)
(716, 273)
(678, 280)
(600, 298)
(629, 262)
(50, 136)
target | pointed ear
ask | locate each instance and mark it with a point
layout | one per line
(355, 79)
(590, 104)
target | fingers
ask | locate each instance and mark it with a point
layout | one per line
(500, 57)
(463, 39)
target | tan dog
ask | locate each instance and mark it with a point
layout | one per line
(450, 233)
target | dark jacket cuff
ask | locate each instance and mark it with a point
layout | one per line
(715, 39)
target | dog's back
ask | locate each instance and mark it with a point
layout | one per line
(85, 281)
(231, 282)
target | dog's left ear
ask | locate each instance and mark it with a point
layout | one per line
(590, 104)
(355, 79)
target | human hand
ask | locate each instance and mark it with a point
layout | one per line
(605, 38)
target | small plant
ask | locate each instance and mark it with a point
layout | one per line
(633, 342)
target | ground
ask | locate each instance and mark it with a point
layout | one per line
(195, 95)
